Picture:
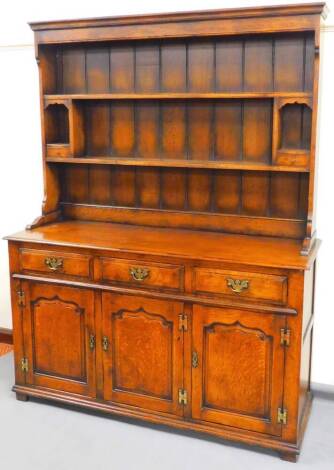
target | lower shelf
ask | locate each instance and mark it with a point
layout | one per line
(286, 450)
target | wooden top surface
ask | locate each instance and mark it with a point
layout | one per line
(209, 246)
(226, 13)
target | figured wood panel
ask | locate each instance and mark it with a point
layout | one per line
(238, 381)
(57, 322)
(143, 365)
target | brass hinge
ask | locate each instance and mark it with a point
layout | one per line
(21, 298)
(24, 364)
(183, 396)
(92, 342)
(282, 416)
(105, 343)
(285, 337)
(183, 322)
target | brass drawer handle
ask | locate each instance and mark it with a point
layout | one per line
(237, 285)
(92, 342)
(105, 343)
(54, 264)
(139, 274)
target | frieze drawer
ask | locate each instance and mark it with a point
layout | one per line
(54, 262)
(241, 285)
(138, 274)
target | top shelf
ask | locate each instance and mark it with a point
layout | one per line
(172, 96)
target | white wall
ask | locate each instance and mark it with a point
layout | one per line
(20, 161)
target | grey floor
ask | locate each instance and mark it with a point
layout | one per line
(37, 436)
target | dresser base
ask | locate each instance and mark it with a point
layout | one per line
(285, 450)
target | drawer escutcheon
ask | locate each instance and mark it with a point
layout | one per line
(54, 264)
(139, 274)
(237, 285)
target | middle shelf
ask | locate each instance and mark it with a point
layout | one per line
(172, 163)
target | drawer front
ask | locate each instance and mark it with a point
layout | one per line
(53, 262)
(238, 285)
(138, 274)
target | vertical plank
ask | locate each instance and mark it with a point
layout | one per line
(199, 185)
(173, 67)
(229, 57)
(258, 73)
(148, 187)
(97, 128)
(97, 69)
(121, 68)
(289, 63)
(123, 183)
(284, 195)
(147, 68)
(228, 130)
(257, 130)
(77, 187)
(73, 64)
(255, 193)
(173, 189)
(99, 185)
(200, 130)
(122, 128)
(227, 192)
(173, 129)
(147, 129)
(309, 63)
(201, 73)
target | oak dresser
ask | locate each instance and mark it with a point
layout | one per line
(170, 277)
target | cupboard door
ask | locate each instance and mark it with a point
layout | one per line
(143, 352)
(238, 368)
(59, 337)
